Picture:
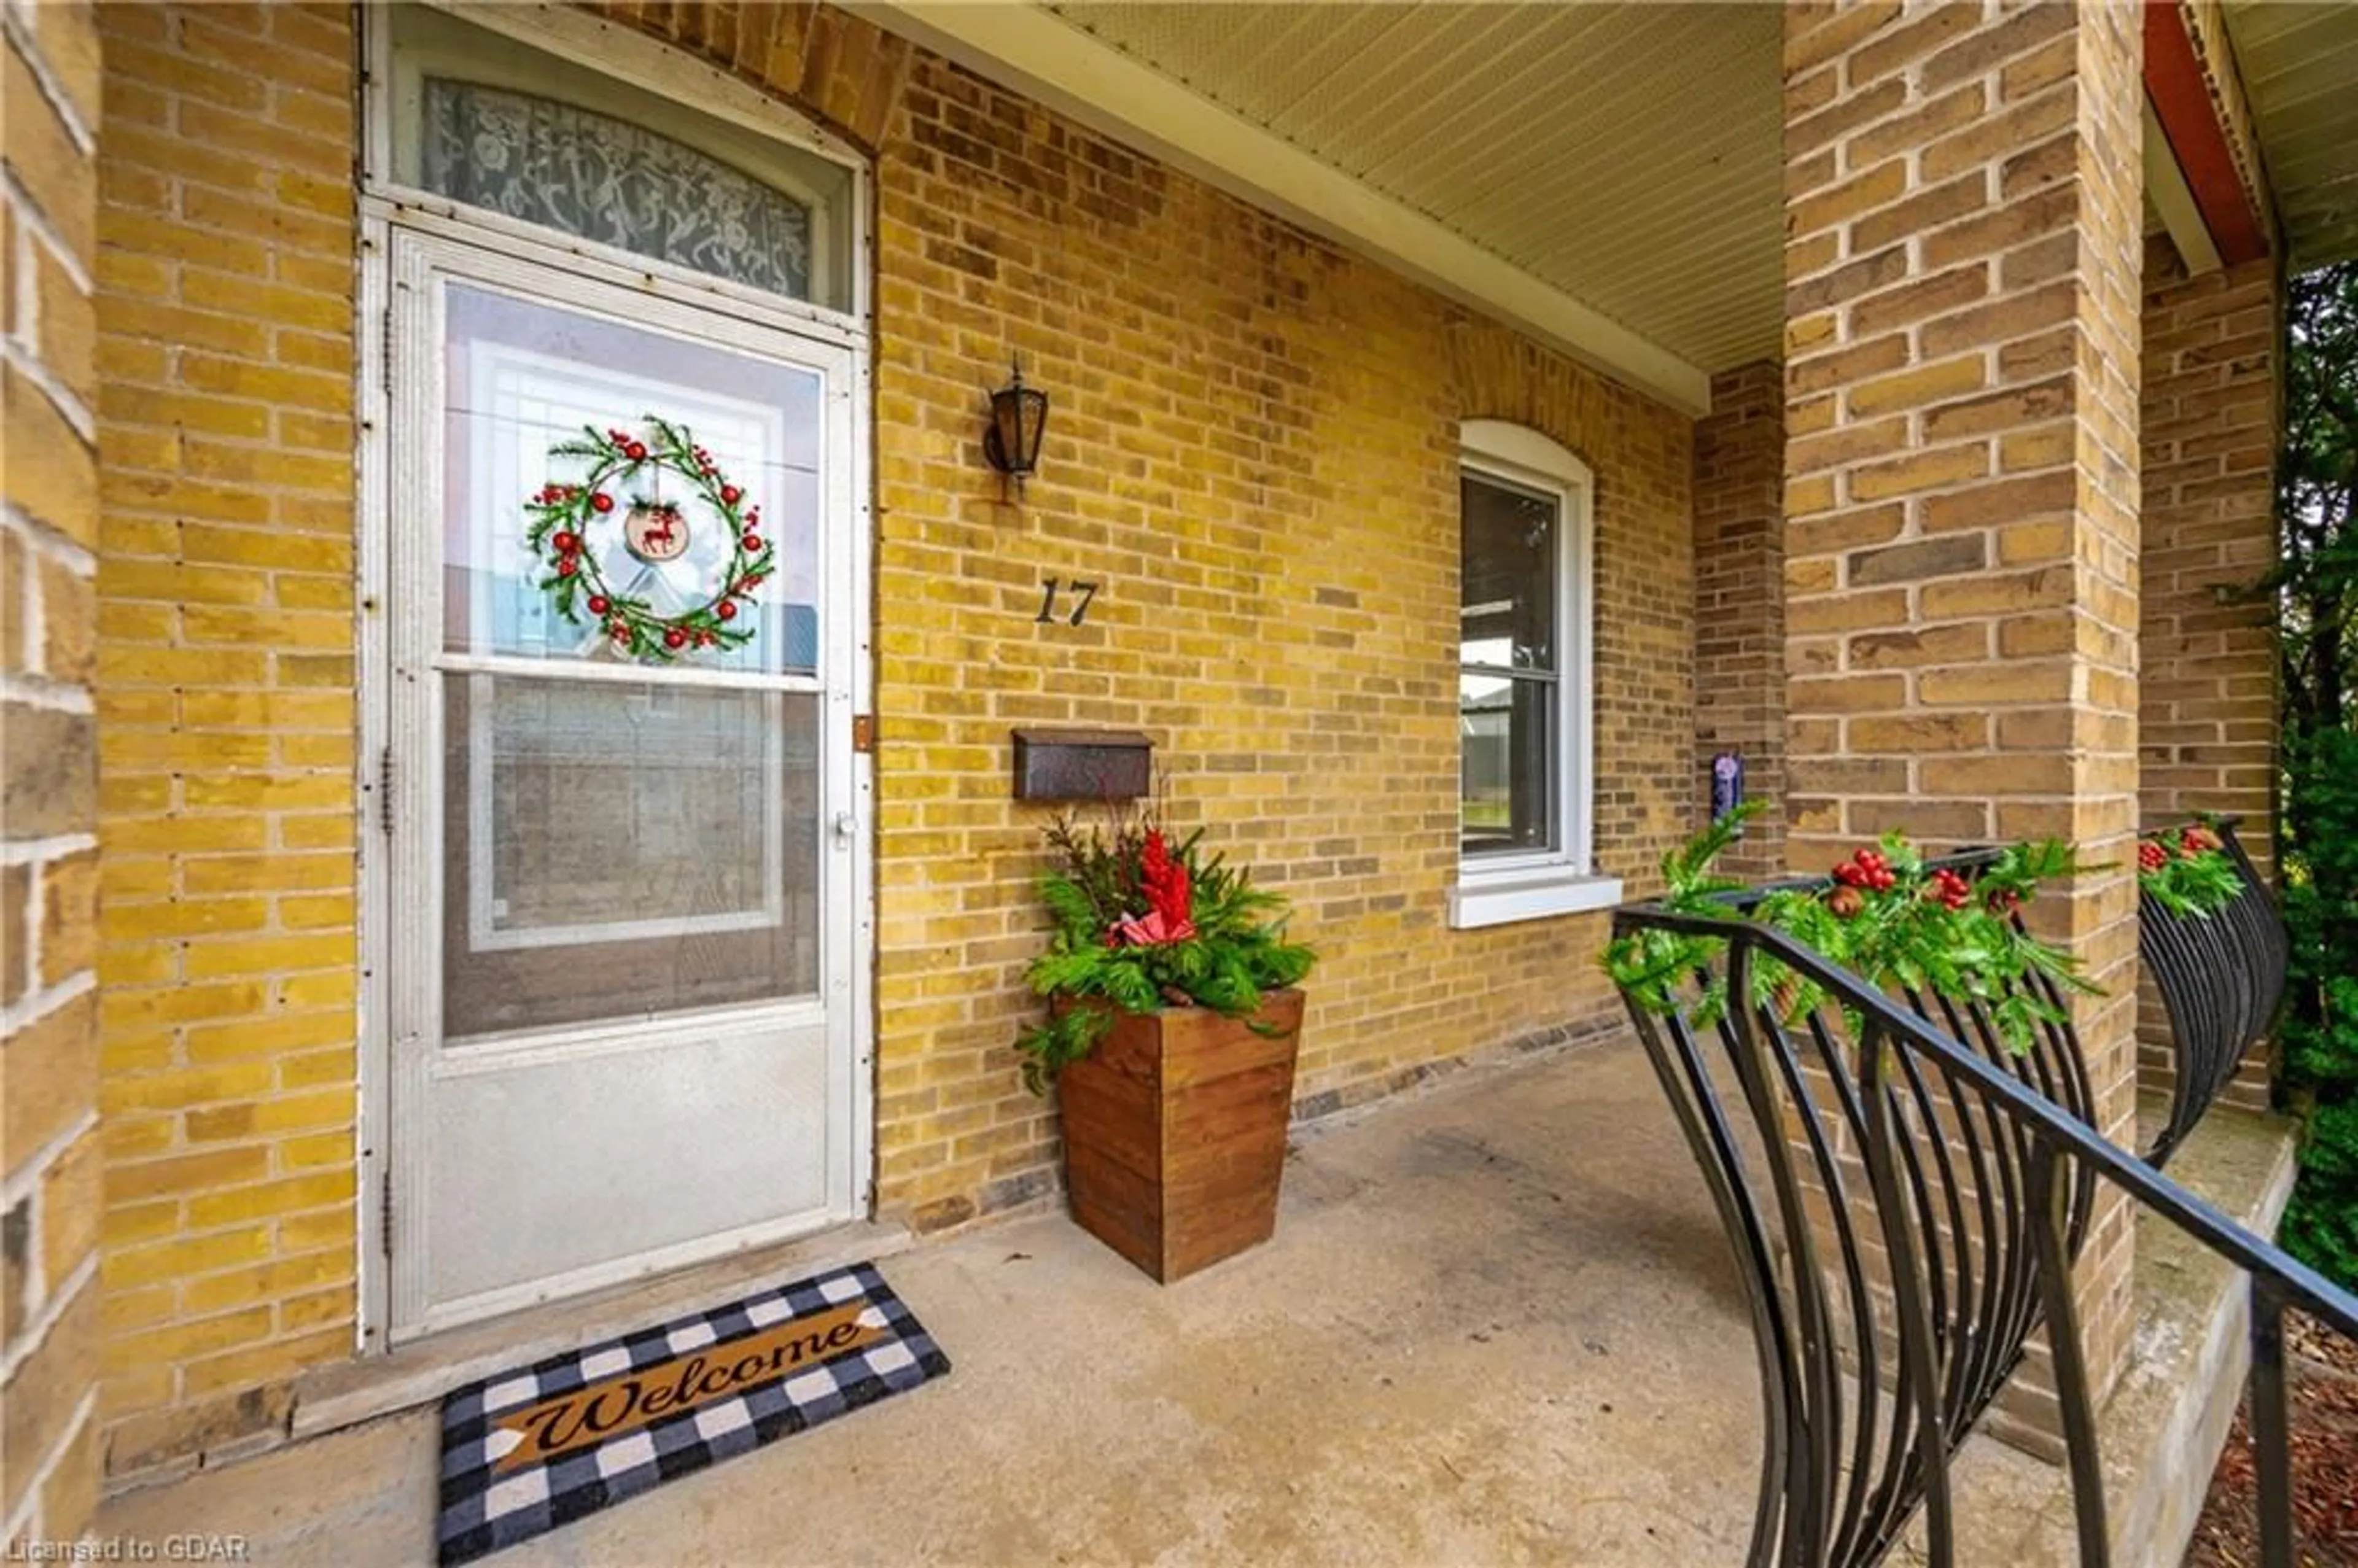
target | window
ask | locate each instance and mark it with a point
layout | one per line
(1525, 767)
(502, 127)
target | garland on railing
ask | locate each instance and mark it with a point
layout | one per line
(1885, 915)
(2187, 872)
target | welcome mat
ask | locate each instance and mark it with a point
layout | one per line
(529, 1450)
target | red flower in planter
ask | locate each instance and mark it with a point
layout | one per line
(1164, 882)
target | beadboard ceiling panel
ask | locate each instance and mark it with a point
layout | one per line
(2299, 66)
(1625, 154)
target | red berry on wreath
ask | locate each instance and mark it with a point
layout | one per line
(752, 544)
(726, 609)
(674, 638)
(731, 495)
(601, 502)
(597, 604)
(567, 566)
(566, 543)
(636, 451)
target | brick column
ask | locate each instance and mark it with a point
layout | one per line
(2208, 729)
(226, 287)
(1740, 538)
(48, 785)
(1962, 294)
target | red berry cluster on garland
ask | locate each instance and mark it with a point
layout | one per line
(561, 514)
(1950, 888)
(1866, 868)
(2187, 870)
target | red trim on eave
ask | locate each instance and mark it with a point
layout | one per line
(2181, 102)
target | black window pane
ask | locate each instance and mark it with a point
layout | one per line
(1507, 584)
(1506, 728)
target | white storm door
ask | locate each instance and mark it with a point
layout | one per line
(620, 1007)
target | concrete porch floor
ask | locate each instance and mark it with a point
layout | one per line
(1497, 1324)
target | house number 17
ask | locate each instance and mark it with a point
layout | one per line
(1082, 592)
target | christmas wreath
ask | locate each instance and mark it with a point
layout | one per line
(619, 490)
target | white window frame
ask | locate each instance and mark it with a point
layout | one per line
(1494, 890)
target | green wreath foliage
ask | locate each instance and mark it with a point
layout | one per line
(561, 515)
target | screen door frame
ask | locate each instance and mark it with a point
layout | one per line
(671, 299)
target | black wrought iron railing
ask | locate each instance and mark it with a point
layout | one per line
(1905, 1197)
(2222, 977)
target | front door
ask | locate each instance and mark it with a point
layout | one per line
(621, 1035)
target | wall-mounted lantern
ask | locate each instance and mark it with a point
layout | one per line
(1018, 415)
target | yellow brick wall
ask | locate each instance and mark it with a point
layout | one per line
(1253, 446)
(1252, 449)
(50, 1142)
(1740, 546)
(226, 714)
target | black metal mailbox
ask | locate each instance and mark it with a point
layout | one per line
(1083, 765)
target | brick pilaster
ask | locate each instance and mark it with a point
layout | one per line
(1962, 335)
(1739, 504)
(48, 785)
(2208, 731)
(225, 280)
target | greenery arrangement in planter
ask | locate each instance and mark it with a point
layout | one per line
(1172, 1031)
(1884, 913)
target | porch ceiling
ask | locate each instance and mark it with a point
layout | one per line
(2299, 66)
(1625, 155)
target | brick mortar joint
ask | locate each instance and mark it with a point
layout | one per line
(54, 95)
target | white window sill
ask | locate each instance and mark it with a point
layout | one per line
(1501, 898)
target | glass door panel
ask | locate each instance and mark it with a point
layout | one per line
(625, 850)
(520, 377)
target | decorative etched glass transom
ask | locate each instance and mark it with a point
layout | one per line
(608, 180)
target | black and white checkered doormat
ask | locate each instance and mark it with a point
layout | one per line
(531, 1449)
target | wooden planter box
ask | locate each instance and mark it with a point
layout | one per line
(1175, 1132)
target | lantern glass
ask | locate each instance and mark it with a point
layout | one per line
(1019, 417)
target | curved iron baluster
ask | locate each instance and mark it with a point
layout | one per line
(1878, 1207)
(1906, 1197)
(2220, 977)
